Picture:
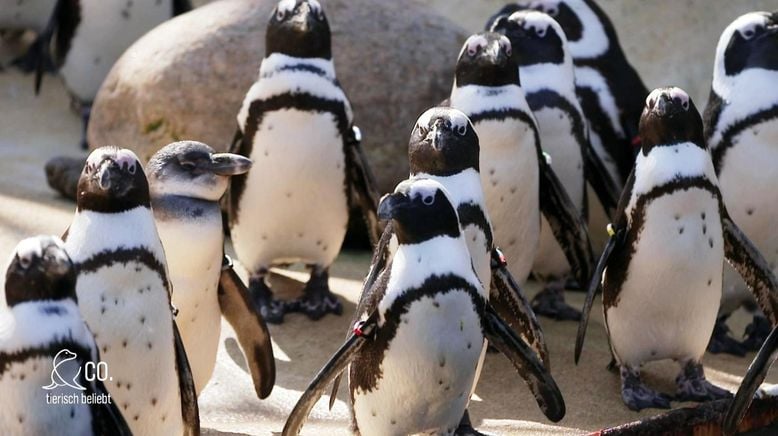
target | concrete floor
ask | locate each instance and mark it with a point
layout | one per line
(34, 129)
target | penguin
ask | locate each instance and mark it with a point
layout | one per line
(84, 38)
(16, 15)
(661, 270)
(548, 79)
(124, 295)
(45, 346)
(756, 374)
(518, 182)
(610, 90)
(444, 147)
(412, 357)
(186, 181)
(293, 205)
(741, 128)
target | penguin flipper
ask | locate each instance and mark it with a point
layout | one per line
(190, 411)
(754, 377)
(600, 179)
(511, 304)
(362, 185)
(333, 368)
(250, 328)
(592, 290)
(530, 368)
(566, 223)
(237, 139)
(741, 253)
(370, 296)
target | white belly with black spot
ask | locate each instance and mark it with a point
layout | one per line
(556, 137)
(667, 306)
(428, 370)
(193, 250)
(126, 307)
(748, 185)
(106, 29)
(509, 175)
(24, 409)
(294, 204)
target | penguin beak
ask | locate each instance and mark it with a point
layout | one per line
(437, 135)
(389, 204)
(304, 19)
(228, 164)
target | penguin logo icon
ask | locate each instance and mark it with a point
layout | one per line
(56, 379)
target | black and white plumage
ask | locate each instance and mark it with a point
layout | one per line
(42, 338)
(414, 354)
(293, 205)
(124, 295)
(186, 181)
(517, 180)
(548, 79)
(741, 127)
(756, 374)
(609, 89)
(661, 271)
(84, 38)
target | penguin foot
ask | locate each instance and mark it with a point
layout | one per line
(317, 299)
(692, 385)
(722, 342)
(271, 310)
(550, 302)
(466, 427)
(638, 396)
(756, 333)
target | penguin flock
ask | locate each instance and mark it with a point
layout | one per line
(544, 108)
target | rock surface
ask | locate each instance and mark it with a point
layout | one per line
(186, 79)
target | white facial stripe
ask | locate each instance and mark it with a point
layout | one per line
(286, 6)
(27, 250)
(743, 24)
(424, 188)
(457, 118)
(674, 93)
(594, 42)
(474, 43)
(536, 21)
(123, 157)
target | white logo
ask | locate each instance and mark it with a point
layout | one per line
(92, 371)
(57, 380)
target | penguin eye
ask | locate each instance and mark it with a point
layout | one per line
(685, 104)
(553, 11)
(540, 32)
(25, 261)
(189, 166)
(280, 15)
(131, 169)
(749, 33)
(422, 130)
(428, 200)
(473, 49)
(462, 130)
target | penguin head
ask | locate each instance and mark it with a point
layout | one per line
(535, 36)
(670, 117)
(420, 209)
(751, 41)
(40, 269)
(486, 60)
(193, 169)
(299, 28)
(443, 143)
(112, 181)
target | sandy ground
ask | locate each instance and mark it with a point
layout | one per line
(34, 129)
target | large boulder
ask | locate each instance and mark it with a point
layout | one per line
(186, 78)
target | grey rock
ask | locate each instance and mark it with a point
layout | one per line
(187, 78)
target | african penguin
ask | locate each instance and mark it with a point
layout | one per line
(293, 205)
(609, 89)
(661, 270)
(186, 181)
(44, 348)
(741, 127)
(90, 35)
(513, 168)
(412, 358)
(124, 295)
